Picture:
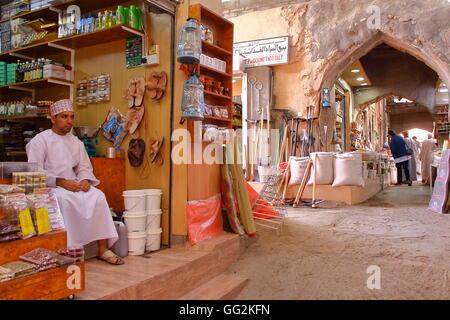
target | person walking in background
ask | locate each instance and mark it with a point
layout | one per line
(425, 158)
(412, 165)
(417, 153)
(398, 148)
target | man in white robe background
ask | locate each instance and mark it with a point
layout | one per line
(64, 159)
(425, 158)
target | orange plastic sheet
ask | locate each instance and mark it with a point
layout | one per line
(204, 218)
(256, 205)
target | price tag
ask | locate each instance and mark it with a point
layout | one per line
(26, 223)
(42, 223)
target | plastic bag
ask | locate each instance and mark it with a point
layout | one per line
(48, 200)
(8, 188)
(204, 218)
(113, 128)
(22, 215)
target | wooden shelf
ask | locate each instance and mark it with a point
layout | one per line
(98, 37)
(36, 84)
(217, 118)
(224, 74)
(215, 49)
(35, 50)
(237, 115)
(51, 12)
(24, 117)
(238, 103)
(210, 93)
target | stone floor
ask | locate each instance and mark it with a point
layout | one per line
(325, 253)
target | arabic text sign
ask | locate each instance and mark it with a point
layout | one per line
(264, 52)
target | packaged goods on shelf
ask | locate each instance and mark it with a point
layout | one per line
(14, 8)
(214, 63)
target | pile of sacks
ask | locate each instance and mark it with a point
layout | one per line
(344, 169)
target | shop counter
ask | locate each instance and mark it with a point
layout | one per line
(46, 285)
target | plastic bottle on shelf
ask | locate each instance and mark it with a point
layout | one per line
(98, 21)
(105, 19)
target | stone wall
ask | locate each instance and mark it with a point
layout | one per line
(327, 35)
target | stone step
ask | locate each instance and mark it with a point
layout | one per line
(167, 274)
(222, 287)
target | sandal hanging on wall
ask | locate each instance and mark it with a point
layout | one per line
(130, 92)
(134, 117)
(140, 91)
(136, 150)
(152, 84)
(162, 83)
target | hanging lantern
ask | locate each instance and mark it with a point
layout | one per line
(190, 43)
(192, 103)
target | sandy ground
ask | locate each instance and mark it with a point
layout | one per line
(324, 253)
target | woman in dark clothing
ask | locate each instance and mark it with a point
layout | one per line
(398, 148)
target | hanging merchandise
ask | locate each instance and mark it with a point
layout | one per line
(81, 98)
(113, 128)
(104, 88)
(190, 43)
(192, 103)
(156, 83)
(133, 52)
(134, 117)
(92, 90)
(325, 98)
(136, 150)
(155, 148)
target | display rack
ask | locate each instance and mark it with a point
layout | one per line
(221, 48)
(49, 284)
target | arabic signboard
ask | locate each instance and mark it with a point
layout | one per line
(264, 52)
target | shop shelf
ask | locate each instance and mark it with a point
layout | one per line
(238, 103)
(36, 84)
(217, 118)
(24, 117)
(212, 70)
(215, 49)
(35, 50)
(210, 93)
(98, 37)
(237, 115)
(50, 12)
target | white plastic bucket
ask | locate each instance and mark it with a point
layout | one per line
(153, 241)
(153, 220)
(136, 243)
(134, 200)
(135, 221)
(153, 199)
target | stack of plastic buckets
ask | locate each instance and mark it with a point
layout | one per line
(143, 219)
(153, 227)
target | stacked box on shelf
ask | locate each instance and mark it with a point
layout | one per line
(13, 8)
(35, 4)
(2, 73)
(11, 73)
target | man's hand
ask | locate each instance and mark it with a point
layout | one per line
(69, 185)
(85, 185)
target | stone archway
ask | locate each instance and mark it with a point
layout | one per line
(329, 36)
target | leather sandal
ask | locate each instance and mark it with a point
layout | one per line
(134, 117)
(152, 84)
(162, 84)
(111, 258)
(140, 91)
(130, 92)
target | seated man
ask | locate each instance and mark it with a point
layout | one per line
(63, 158)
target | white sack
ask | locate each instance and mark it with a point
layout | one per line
(298, 168)
(348, 170)
(324, 173)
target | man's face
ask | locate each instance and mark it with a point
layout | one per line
(63, 122)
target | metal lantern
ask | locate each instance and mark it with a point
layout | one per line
(190, 43)
(192, 103)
